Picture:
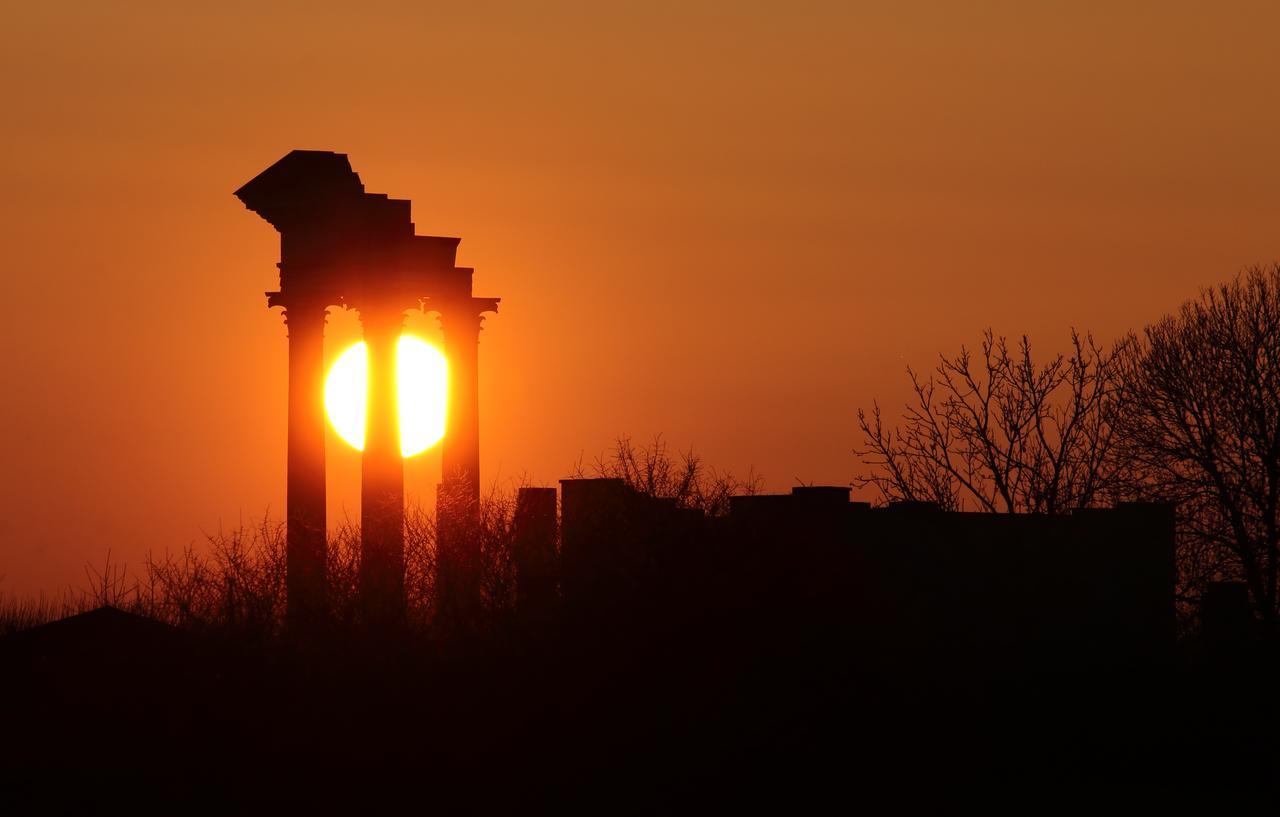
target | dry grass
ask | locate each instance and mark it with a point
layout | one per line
(234, 582)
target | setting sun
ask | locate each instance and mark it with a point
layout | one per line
(422, 376)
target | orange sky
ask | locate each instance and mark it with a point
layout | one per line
(733, 224)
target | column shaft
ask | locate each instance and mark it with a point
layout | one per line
(305, 493)
(458, 499)
(382, 475)
(460, 456)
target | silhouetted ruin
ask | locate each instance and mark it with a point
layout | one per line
(1092, 586)
(342, 246)
(628, 644)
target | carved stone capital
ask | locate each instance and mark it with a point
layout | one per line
(301, 314)
(461, 314)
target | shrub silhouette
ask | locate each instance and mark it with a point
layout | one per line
(233, 583)
(654, 471)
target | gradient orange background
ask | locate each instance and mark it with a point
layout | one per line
(733, 224)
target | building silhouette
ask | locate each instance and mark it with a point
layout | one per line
(903, 582)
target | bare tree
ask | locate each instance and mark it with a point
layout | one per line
(1203, 430)
(1001, 433)
(654, 471)
(235, 583)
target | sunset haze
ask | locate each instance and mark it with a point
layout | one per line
(729, 226)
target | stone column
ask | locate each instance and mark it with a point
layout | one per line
(460, 454)
(458, 498)
(382, 474)
(305, 492)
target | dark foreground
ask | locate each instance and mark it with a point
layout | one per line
(113, 712)
(804, 651)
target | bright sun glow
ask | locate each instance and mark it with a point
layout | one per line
(422, 377)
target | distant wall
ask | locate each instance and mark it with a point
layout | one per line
(902, 584)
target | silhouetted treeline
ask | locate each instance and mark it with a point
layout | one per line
(234, 581)
(1185, 411)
